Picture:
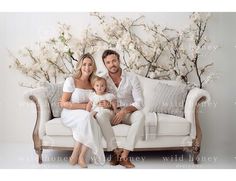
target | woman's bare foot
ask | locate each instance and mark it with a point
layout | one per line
(73, 160)
(82, 162)
(75, 154)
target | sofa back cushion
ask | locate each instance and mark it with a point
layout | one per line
(164, 96)
(54, 93)
(169, 99)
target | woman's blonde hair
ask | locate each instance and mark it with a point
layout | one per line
(78, 66)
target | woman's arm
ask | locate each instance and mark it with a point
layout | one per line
(89, 106)
(66, 103)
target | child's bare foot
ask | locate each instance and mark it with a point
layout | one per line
(82, 162)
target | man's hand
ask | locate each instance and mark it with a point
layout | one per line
(118, 117)
(105, 104)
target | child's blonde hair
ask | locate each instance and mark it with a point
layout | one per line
(97, 78)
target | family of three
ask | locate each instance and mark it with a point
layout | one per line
(92, 105)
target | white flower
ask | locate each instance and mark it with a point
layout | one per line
(195, 17)
(183, 69)
(139, 47)
(152, 75)
(119, 47)
(179, 79)
(127, 22)
(66, 49)
(125, 39)
(157, 72)
(138, 62)
(141, 71)
(30, 72)
(131, 46)
(35, 67)
(172, 74)
(158, 51)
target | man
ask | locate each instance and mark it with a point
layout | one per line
(129, 100)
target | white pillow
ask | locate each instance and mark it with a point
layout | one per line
(54, 93)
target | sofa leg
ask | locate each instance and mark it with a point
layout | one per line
(196, 144)
(39, 153)
(195, 150)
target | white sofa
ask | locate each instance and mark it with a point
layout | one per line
(173, 133)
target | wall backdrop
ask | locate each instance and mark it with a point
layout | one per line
(18, 30)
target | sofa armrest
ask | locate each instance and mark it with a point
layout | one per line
(194, 98)
(43, 111)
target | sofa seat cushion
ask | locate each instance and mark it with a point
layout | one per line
(55, 127)
(172, 125)
(167, 125)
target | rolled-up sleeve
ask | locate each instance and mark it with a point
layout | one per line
(137, 93)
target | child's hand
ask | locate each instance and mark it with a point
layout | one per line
(105, 104)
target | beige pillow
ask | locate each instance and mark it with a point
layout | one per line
(169, 99)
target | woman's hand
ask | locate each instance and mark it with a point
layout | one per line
(105, 104)
(60, 103)
(63, 104)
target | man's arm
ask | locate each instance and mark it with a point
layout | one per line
(129, 109)
(121, 114)
(137, 94)
(136, 105)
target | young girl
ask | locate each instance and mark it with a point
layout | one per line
(99, 85)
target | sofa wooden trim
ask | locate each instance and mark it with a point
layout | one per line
(37, 141)
(196, 143)
(136, 149)
(195, 148)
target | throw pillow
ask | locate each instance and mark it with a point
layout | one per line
(169, 99)
(54, 93)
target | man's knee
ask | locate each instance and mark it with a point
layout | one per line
(138, 117)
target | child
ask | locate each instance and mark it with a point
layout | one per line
(99, 85)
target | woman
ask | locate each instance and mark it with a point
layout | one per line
(86, 131)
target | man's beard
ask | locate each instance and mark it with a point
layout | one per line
(113, 72)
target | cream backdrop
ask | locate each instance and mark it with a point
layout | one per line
(23, 29)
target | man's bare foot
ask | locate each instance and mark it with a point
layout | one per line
(82, 162)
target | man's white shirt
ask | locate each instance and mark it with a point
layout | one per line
(129, 92)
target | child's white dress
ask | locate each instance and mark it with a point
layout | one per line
(84, 127)
(95, 99)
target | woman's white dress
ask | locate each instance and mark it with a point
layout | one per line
(84, 127)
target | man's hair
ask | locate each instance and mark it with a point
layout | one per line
(110, 52)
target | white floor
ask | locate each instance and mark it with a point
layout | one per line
(16, 155)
